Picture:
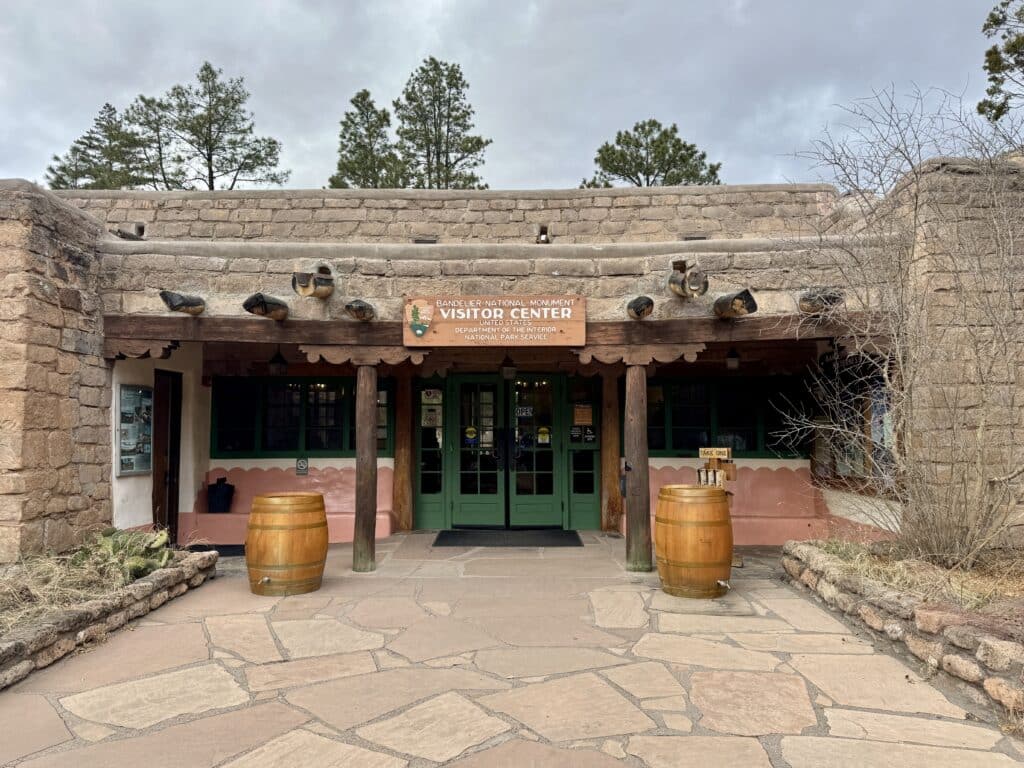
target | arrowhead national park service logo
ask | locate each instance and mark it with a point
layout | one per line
(418, 316)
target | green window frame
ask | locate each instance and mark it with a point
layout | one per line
(754, 400)
(256, 393)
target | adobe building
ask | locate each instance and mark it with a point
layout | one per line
(460, 358)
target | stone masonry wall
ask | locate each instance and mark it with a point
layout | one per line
(398, 216)
(224, 274)
(956, 642)
(59, 632)
(54, 383)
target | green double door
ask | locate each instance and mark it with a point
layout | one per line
(505, 454)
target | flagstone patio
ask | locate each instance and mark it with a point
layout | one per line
(490, 658)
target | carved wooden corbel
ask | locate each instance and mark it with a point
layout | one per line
(337, 354)
(121, 349)
(641, 354)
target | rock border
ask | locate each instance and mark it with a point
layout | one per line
(59, 632)
(942, 639)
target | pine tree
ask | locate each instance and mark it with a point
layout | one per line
(652, 156)
(367, 157)
(108, 156)
(435, 124)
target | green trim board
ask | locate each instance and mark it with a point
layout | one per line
(285, 417)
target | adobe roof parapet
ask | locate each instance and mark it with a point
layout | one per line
(473, 251)
(444, 194)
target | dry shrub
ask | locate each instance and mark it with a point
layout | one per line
(920, 402)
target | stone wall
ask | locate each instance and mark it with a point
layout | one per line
(957, 642)
(398, 216)
(54, 383)
(609, 276)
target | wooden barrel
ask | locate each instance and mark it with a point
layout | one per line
(693, 540)
(286, 546)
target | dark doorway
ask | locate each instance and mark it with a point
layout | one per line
(166, 449)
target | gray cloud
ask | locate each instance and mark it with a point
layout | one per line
(749, 81)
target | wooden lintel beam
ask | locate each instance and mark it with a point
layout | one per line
(346, 332)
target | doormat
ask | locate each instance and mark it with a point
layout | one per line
(543, 537)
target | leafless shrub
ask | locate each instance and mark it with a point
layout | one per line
(919, 402)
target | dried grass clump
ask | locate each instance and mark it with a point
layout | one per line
(995, 581)
(38, 584)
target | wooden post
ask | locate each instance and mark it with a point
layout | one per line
(363, 540)
(611, 494)
(638, 481)
(402, 496)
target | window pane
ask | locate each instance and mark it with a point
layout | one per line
(281, 416)
(325, 403)
(690, 415)
(656, 439)
(738, 403)
(236, 403)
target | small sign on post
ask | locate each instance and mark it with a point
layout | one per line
(716, 453)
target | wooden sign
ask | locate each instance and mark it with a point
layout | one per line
(495, 321)
(716, 453)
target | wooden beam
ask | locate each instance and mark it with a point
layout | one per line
(363, 538)
(611, 493)
(241, 330)
(638, 480)
(402, 499)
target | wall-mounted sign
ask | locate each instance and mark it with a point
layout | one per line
(495, 321)
(135, 430)
(302, 466)
(582, 414)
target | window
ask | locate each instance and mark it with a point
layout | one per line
(745, 414)
(290, 417)
(854, 446)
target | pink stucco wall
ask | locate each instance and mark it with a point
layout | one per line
(770, 505)
(337, 484)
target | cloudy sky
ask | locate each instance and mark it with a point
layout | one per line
(749, 81)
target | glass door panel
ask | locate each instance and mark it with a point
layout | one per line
(479, 488)
(537, 446)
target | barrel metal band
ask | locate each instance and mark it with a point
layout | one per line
(684, 564)
(284, 566)
(321, 524)
(692, 523)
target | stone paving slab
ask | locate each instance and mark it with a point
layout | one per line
(571, 708)
(438, 729)
(536, 662)
(645, 680)
(717, 751)
(29, 724)
(128, 655)
(291, 674)
(302, 749)
(517, 753)
(440, 636)
(854, 724)
(693, 651)
(142, 703)
(873, 682)
(201, 743)
(246, 635)
(752, 703)
(819, 752)
(355, 700)
(322, 637)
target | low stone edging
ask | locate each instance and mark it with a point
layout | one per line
(58, 633)
(941, 638)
